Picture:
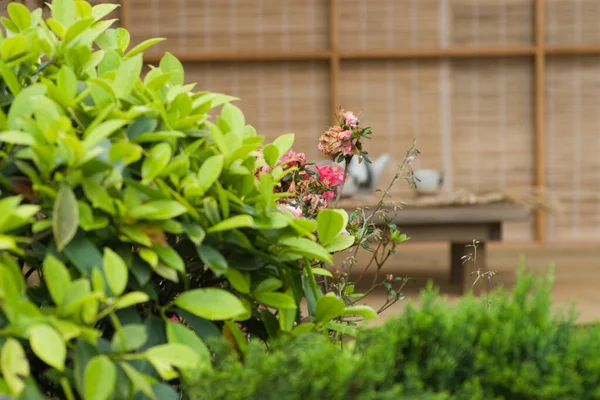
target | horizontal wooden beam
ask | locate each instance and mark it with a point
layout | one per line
(439, 53)
(460, 52)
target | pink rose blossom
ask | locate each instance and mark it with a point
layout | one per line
(330, 175)
(328, 195)
(345, 135)
(347, 148)
(351, 119)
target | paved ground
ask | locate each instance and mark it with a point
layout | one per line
(577, 272)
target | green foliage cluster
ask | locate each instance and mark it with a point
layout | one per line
(515, 348)
(133, 204)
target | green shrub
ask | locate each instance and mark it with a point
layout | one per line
(513, 348)
(132, 204)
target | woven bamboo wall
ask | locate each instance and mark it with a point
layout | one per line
(473, 117)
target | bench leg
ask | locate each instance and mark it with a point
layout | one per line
(460, 273)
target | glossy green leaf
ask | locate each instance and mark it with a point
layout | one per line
(209, 172)
(363, 311)
(100, 378)
(12, 47)
(236, 222)
(322, 271)
(98, 196)
(158, 210)
(156, 161)
(146, 44)
(169, 256)
(19, 14)
(178, 333)
(213, 259)
(65, 217)
(211, 303)
(17, 137)
(284, 143)
(67, 84)
(271, 154)
(104, 130)
(48, 345)
(130, 299)
(307, 248)
(57, 278)
(341, 242)
(139, 381)
(276, 300)
(100, 11)
(127, 76)
(14, 365)
(170, 63)
(178, 355)
(267, 285)
(328, 308)
(116, 271)
(64, 11)
(234, 117)
(131, 337)
(240, 280)
(330, 224)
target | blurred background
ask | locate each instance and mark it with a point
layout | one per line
(501, 95)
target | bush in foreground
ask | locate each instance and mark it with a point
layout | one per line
(513, 348)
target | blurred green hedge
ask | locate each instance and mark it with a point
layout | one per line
(511, 347)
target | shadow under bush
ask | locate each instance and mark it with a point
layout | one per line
(513, 347)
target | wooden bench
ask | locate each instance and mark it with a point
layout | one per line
(459, 225)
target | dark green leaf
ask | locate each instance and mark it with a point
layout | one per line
(213, 259)
(276, 300)
(84, 255)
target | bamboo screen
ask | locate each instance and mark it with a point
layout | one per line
(500, 94)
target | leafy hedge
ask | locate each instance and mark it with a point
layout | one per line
(511, 348)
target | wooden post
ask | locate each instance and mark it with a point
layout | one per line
(334, 60)
(124, 14)
(540, 97)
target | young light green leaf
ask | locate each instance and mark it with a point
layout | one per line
(130, 299)
(104, 130)
(238, 221)
(12, 47)
(363, 311)
(209, 173)
(98, 196)
(271, 154)
(100, 11)
(322, 271)
(100, 378)
(157, 160)
(267, 285)
(169, 256)
(138, 379)
(48, 345)
(284, 143)
(240, 280)
(213, 259)
(328, 308)
(14, 365)
(178, 333)
(166, 356)
(330, 224)
(341, 242)
(64, 11)
(276, 300)
(170, 63)
(57, 278)
(127, 76)
(234, 117)
(158, 210)
(133, 335)
(67, 84)
(65, 217)
(307, 248)
(20, 15)
(211, 303)
(17, 137)
(116, 271)
(146, 44)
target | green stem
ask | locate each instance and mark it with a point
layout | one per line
(311, 279)
(66, 387)
(118, 328)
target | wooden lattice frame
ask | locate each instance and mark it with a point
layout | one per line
(539, 51)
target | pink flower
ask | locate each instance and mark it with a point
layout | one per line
(330, 175)
(328, 195)
(296, 211)
(292, 159)
(345, 135)
(351, 119)
(175, 318)
(347, 148)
